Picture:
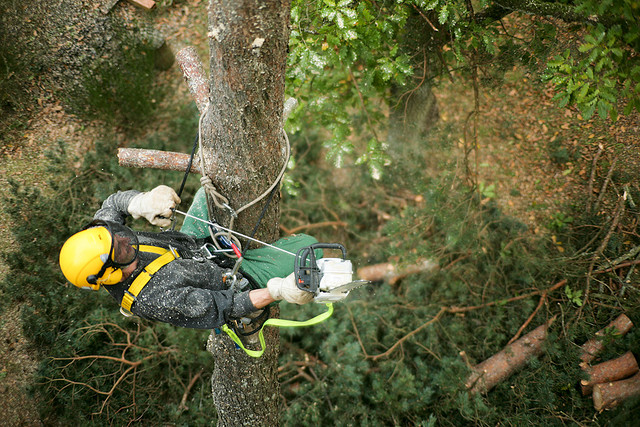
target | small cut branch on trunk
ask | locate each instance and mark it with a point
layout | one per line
(608, 395)
(501, 365)
(155, 159)
(194, 75)
(611, 370)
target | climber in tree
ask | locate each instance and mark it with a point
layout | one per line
(170, 276)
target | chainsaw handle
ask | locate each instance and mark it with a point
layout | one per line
(329, 246)
(306, 269)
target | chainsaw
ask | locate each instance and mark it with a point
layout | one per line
(329, 279)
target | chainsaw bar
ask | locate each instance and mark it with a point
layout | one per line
(349, 286)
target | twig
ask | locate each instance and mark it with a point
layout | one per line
(543, 298)
(412, 91)
(425, 18)
(409, 335)
(603, 189)
(617, 267)
(605, 241)
(631, 254)
(627, 278)
(364, 105)
(593, 175)
(355, 329)
(454, 309)
(183, 401)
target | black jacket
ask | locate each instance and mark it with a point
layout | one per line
(185, 292)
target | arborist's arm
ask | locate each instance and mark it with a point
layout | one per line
(260, 298)
(154, 205)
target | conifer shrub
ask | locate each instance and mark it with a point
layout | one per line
(75, 332)
(363, 370)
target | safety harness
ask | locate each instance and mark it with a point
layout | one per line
(131, 294)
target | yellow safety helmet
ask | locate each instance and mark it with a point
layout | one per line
(96, 255)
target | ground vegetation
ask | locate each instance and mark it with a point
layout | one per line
(529, 196)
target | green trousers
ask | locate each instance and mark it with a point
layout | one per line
(262, 263)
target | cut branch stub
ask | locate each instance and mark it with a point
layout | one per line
(194, 75)
(608, 395)
(155, 159)
(501, 365)
(611, 370)
(594, 346)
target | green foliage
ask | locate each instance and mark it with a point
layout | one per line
(350, 61)
(574, 296)
(560, 221)
(604, 68)
(343, 58)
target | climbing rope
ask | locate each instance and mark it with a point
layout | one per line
(221, 202)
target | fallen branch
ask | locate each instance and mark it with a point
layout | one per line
(608, 395)
(387, 271)
(611, 370)
(503, 364)
(591, 348)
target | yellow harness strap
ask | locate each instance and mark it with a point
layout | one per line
(166, 256)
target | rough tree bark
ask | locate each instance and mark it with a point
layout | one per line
(243, 138)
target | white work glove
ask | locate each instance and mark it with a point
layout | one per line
(287, 290)
(155, 205)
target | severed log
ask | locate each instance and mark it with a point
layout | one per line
(194, 75)
(611, 370)
(387, 272)
(501, 365)
(591, 348)
(155, 159)
(608, 395)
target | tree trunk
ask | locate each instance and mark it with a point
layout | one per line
(243, 138)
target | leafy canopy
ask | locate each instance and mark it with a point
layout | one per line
(347, 56)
